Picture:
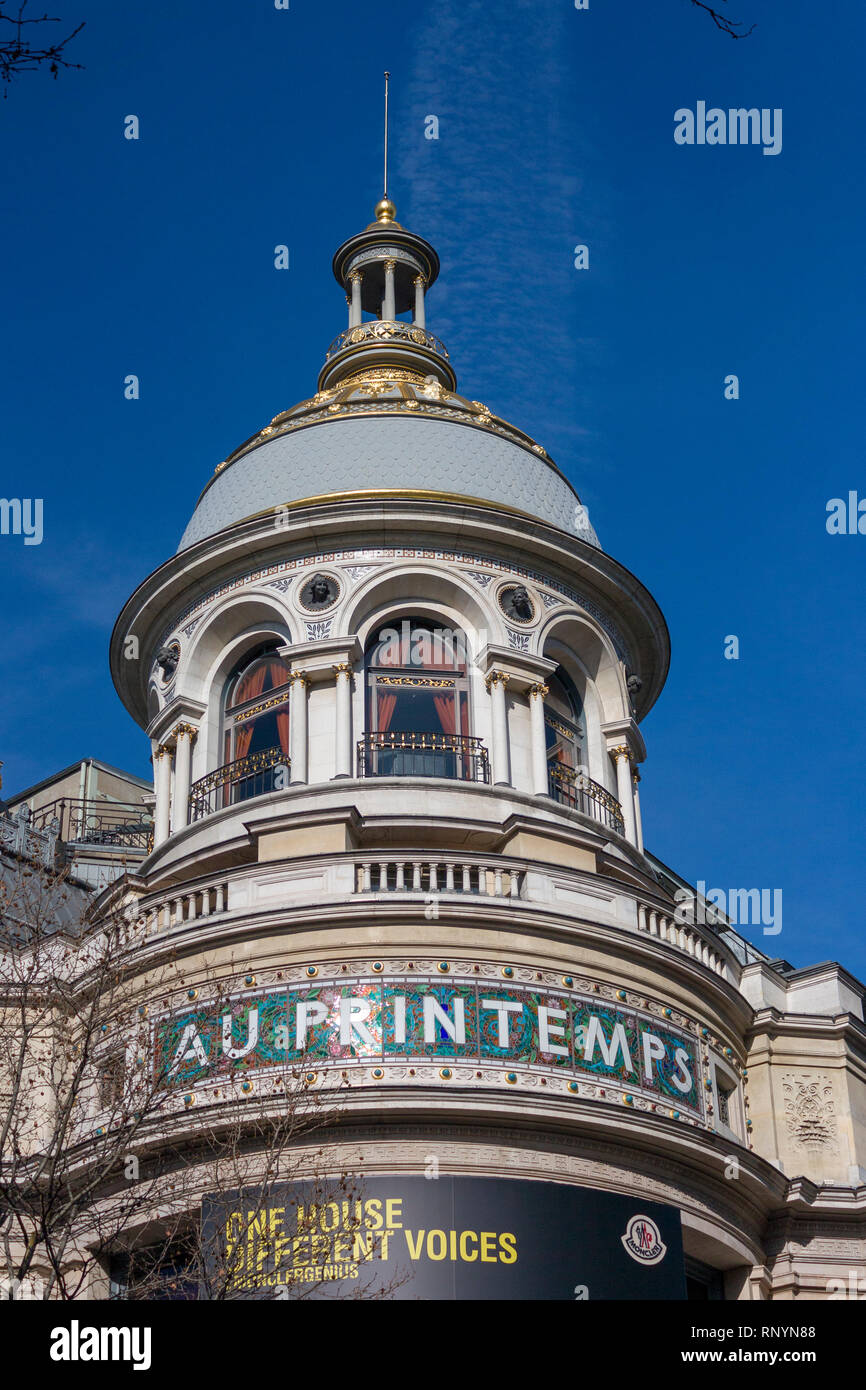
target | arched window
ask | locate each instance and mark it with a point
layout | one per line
(565, 731)
(255, 724)
(417, 691)
(256, 706)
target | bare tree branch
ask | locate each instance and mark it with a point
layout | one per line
(734, 27)
(102, 1164)
(18, 54)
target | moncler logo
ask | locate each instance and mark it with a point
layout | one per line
(643, 1241)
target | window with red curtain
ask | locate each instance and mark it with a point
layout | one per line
(416, 681)
(257, 707)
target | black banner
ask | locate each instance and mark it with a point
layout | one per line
(442, 1238)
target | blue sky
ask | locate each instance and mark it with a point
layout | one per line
(261, 127)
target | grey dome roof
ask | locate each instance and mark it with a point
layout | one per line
(380, 452)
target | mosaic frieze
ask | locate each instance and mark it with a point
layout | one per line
(373, 1020)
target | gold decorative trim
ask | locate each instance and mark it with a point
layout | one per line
(427, 683)
(379, 375)
(560, 728)
(472, 414)
(258, 709)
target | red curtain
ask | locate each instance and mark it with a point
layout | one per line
(278, 673)
(243, 739)
(447, 712)
(386, 703)
(248, 687)
(283, 729)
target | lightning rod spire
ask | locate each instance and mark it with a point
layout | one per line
(385, 190)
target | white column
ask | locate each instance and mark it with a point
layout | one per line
(298, 744)
(343, 730)
(184, 733)
(419, 301)
(162, 788)
(625, 794)
(388, 307)
(355, 308)
(540, 784)
(637, 816)
(496, 683)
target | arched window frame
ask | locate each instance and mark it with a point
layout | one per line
(414, 669)
(418, 658)
(269, 703)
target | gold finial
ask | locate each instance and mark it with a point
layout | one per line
(385, 211)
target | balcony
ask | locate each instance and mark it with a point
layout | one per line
(103, 824)
(580, 793)
(454, 756)
(255, 775)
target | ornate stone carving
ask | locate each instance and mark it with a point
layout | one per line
(358, 572)
(810, 1112)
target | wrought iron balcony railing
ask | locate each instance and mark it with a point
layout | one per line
(241, 780)
(423, 755)
(125, 825)
(573, 788)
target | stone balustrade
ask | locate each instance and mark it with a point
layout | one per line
(442, 875)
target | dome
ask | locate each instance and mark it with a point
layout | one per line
(387, 435)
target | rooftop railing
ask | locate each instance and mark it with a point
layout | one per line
(107, 824)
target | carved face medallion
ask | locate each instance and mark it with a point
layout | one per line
(319, 593)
